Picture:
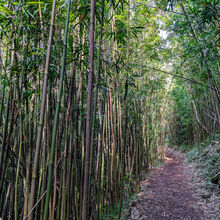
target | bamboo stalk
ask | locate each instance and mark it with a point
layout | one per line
(52, 150)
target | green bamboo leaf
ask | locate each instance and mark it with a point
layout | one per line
(6, 11)
(35, 3)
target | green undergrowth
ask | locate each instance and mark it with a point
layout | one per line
(185, 148)
(131, 193)
(206, 157)
(114, 214)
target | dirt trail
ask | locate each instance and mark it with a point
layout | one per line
(167, 194)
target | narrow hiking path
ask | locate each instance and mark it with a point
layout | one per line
(167, 194)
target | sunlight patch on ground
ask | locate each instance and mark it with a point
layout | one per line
(168, 159)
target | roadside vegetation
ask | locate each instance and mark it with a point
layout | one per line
(205, 162)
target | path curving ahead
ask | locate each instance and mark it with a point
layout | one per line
(167, 194)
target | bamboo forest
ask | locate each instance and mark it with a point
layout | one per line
(109, 109)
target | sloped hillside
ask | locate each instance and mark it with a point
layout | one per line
(205, 163)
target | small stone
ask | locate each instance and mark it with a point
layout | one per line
(205, 195)
(133, 203)
(134, 214)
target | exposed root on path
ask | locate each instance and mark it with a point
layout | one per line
(168, 193)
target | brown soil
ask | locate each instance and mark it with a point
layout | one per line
(168, 194)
